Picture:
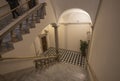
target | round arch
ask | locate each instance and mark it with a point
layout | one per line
(74, 15)
(74, 25)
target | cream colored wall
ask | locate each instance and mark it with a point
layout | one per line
(105, 48)
(75, 33)
(25, 47)
(51, 36)
(37, 46)
(71, 34)
(62, 36)
(37, 42)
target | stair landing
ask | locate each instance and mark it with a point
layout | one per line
(68, 56)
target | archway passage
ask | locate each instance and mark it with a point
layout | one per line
(74, 25)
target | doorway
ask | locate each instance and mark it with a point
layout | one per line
(44, 43)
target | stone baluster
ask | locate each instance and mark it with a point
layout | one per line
(33, 23)
(27, 22)
(37, 17)
(20, 25)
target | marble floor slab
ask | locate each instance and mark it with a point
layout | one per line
(57, 72)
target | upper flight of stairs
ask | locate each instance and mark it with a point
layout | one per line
(15, 34)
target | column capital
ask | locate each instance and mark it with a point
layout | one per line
(54, 25)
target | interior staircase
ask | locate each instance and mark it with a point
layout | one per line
(14, 30)
(65, 66)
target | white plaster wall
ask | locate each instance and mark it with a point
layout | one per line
(62, 36)
(74, 34)
(37, 42)
(70, 35)
(37, 46)
(105, 48)
(51, 36)
(25, 47)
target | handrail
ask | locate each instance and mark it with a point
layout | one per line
(28, 57)
(19, 20)
(9, 12)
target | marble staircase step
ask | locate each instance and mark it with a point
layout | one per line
(6, 44)
(5, 21)
(16, 35)
(57, 72)
(24, 28)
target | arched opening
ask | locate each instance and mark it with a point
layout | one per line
(74, 16)
(74, 25)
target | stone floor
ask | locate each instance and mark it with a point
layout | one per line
(57, 72)
(68, 56)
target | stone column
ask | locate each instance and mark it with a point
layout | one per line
(56, 36)
(32, 23)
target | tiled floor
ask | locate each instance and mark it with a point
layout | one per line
(68, 56)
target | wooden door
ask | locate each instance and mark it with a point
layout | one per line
(44, 43)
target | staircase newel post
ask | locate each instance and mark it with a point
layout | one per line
(27, 22)
(37, 17)
(33, 24)
(20, 26)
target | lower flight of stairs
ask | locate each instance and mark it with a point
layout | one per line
(69, 66)
(56, 72)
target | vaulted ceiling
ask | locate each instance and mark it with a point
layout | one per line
(90, 6)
